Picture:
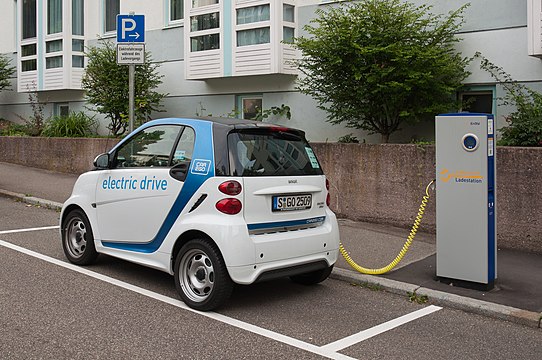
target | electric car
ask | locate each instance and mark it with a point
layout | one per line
(211, 201)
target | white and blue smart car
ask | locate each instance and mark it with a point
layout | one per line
(212, 201)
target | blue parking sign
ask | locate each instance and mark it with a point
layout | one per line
(130, 28)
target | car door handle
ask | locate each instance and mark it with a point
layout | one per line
(179, 171)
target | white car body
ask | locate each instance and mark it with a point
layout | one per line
(143, 214)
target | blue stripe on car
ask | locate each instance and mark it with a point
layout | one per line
(203, 152)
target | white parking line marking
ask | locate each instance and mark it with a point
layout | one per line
(215, 316)
(30, 229)
(379, 329)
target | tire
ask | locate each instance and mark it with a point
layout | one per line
(201, 277)
(312, 278)
(77, 238)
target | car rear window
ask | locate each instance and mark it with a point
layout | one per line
(271, 153)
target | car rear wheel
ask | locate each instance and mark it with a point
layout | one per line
(313, 277)
(77, 238)
(201, 277)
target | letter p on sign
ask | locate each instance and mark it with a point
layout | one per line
(127, 25)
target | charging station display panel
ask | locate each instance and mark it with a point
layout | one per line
(465, 172)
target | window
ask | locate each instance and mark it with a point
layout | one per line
(477, 101)
(265, 152)
(204, 22)
(200, 3)
(112, 9)
(29, 65)
(151, 147)
(250, 106)
(78, 45)
(205, 42)
(288, 13)
(78, 61)
(29, 19)
(176, 10)
(253, 36)
(61, 109)
(253, 14)
(53, 46)
(185, 147)
(78, 17)
(28, 50)
(53, 62)
(54, 16)
(288, 34)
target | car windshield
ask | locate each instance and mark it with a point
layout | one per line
(271, 153)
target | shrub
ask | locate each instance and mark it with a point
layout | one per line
(75, 124)
(12, 129)
(525, 123)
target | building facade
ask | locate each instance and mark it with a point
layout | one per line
(224, 57)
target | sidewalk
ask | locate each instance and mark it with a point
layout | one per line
(517, 295)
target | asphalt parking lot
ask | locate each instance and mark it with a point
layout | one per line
(54, 310)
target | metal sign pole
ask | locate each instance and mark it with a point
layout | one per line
(131, 100)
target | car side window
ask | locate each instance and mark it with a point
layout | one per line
(151, 147)
(185, 147)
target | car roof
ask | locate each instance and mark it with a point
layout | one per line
(229, 122)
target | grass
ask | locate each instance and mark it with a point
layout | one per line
(419, 299)
(367, 285)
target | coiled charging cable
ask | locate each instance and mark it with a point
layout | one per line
(403, 251)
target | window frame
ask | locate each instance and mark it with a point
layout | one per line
(106, 4)
(240, 105)
(170, 20)
(181, 129)
(75, 14)
(50, 14)
(194, 6)
(57, 109)
(478, 90)
(33, 14)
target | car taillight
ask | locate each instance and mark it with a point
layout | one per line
(327, 184)
(230, 187)
(229, 206)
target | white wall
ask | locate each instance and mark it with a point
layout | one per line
(8, 42)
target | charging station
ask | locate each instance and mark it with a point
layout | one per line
(466, 200)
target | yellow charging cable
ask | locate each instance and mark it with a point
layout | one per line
(403, 251)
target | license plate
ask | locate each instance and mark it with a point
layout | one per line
(292, 202)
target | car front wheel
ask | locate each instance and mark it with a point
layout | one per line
(201, 277)
(77, 238)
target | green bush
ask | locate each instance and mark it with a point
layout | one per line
(13, 129)
(525, 123)
(75, 124)
(348, 139)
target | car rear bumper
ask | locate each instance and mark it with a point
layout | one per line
(282, 268)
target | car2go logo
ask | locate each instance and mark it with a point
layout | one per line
(200, 167)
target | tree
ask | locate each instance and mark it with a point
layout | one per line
(106, 85)
(525, 123)
(6, 71)
(375, 64)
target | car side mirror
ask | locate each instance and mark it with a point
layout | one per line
(101, 161)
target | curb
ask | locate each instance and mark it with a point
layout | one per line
(32, 200)
(480, 307)
(497, 311)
